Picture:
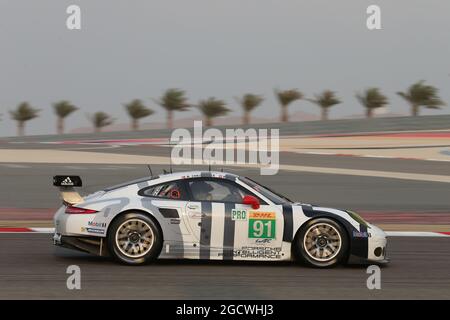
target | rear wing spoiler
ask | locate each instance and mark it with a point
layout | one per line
(67, 185)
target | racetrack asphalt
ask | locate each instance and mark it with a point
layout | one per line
(32, 268)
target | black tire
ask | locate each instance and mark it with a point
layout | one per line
(301, 253)
(146, 255)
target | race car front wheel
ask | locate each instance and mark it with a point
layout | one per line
(134, 238)
(322, 243)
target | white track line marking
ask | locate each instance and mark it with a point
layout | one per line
(415, 234)
(443, 160)
(371, 156)
(15, 166)
(43, 230)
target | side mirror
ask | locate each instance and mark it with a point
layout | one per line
(251, 201)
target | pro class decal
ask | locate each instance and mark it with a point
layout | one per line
(261, 225)
(239, 215)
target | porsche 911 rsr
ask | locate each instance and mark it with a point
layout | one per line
(210, 215)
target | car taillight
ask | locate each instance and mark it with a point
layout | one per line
(76, 210)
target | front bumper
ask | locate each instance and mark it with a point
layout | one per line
(377, 245)
(369, 247)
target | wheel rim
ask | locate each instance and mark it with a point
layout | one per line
(134, 238)
(322, 242)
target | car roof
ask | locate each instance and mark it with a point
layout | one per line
(176, 176)
(198, 174)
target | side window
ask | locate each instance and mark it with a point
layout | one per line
(169, 190)
(216, 190)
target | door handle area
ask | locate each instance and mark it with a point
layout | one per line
(196, 214)
(192, 206)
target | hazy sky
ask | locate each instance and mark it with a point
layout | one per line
(223, 48)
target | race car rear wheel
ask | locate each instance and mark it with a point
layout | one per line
(134, 238)
(322, 243)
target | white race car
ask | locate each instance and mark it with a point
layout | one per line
(210, 215)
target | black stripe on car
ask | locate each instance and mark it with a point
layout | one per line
(360, 245)
(228, 235)
(205, 230)
(288, 223)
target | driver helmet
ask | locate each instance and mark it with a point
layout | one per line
(201, 190)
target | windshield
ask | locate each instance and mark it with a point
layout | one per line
(266, 191)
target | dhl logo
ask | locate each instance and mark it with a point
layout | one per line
(262, 215)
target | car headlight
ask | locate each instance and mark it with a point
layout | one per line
(358, 218)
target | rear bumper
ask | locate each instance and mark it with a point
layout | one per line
(92, 245)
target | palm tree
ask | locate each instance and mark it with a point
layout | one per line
(249, 102)
(325, 100)
(421, 95)
(212, 108)
(372, 99)
(285, 98)
(22, 114)
(136, 110)
(173, 100)
(62, 109)
(100, 120)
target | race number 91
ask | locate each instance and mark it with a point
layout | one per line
(261, 225)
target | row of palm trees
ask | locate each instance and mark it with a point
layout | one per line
(174, 100)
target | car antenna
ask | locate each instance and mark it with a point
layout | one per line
(150, 169)
(209, 166)
(170, 158)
